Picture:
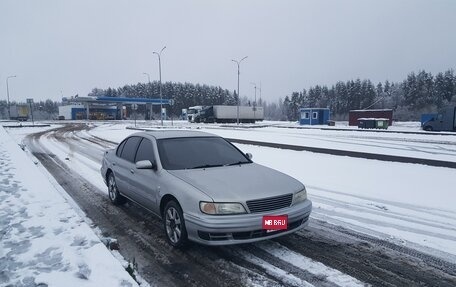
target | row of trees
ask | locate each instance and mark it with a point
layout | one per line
(184, 94)
(419, 92)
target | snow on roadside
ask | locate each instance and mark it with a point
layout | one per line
(43, 240)
(408, 204)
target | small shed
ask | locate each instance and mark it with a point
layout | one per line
(314, 116)
(354, 115)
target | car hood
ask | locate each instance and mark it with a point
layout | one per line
(239, 183)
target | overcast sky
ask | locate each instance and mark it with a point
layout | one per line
(70, 47)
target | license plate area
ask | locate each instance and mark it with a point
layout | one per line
(273, 223)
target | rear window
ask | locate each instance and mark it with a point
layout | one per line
(198, 152)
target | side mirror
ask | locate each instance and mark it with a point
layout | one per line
(249, 155)
(146, 164)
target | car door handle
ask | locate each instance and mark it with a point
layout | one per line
(132, 171)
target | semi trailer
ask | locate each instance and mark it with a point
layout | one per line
(19, 112)
(229, 114)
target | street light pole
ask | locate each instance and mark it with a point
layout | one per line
(239, 95)
(7, 95)
(160, 74)
(148, 78)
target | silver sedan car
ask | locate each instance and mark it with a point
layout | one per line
(204, 188)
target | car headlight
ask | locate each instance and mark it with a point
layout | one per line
(221, 208)
(299, 196)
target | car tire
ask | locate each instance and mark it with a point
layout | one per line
(113, 191)
(428, 128)
(174, 225)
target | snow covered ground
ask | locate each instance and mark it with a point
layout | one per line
(434, 146)
(44, 241)
(408, 204)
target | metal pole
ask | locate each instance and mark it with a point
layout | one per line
(160, 83)
(7, 94)
(239, 95)
(237, 117)
(148, 78)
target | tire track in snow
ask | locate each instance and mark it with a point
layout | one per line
(316, 268)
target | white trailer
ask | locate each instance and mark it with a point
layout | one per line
(229, 114)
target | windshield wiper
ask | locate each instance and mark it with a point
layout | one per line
(206, 165)
(237, 163)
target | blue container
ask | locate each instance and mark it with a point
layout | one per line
(314, 116)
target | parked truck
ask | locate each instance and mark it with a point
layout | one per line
(19, 112)
(229, 114)
(193, 113)
(445, 120)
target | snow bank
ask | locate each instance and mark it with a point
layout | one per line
(43, 241)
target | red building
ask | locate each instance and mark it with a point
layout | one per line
(354, 115)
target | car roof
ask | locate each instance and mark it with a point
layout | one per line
(166, 134)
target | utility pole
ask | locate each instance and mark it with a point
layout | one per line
(238, 73)
(160, 74)
(7, 94)
(148, 78)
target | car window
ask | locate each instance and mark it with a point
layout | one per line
(198, 152)
(145, 151)
(129, 150)
(120, 148)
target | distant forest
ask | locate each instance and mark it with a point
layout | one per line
(419, 93)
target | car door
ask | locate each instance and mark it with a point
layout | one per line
(125, 166)
(145, 182)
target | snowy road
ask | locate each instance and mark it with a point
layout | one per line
(322, 255)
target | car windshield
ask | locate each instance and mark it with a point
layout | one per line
(198, 152)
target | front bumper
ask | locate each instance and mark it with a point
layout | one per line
(243, 228)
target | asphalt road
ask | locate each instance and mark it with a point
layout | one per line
(140, 236)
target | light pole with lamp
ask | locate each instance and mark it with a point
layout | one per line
(239, 96)
(160, 74)
(7, 95)
(148, 78)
